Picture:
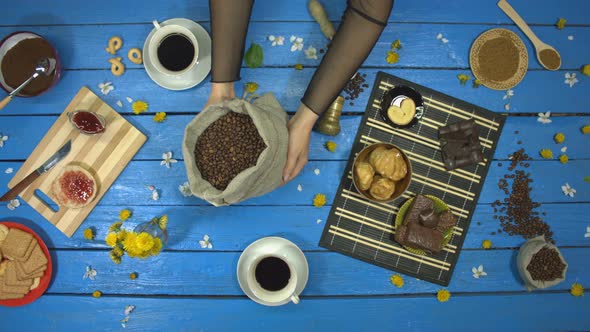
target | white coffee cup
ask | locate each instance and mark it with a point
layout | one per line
(280, 248)
(161, 33)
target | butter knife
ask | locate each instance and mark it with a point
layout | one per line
(57, 157)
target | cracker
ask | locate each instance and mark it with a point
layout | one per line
(11, 279)
(16, 243)
(14, 289)
(36, 283)
(36, 261)
(10, 296)
(22, 275)
(3, 232)
(32, 246)
(3, 266)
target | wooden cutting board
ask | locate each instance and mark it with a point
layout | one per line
(105, 155)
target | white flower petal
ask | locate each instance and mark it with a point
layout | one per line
(564, 149)
(316, 171)
(299, 188)
(474, 270)
(271, 38)
(129, 309)
(119, 103)
(570, 37)
(476, 276)
(444, 40)
(480, 268)
(439, 36)
(202, 243)
(319, 221)
(209, 245)
(292, 39)
(206, 237)
(129, 100)
(507, 107)
(9, 170)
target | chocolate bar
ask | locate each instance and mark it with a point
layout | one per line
(420, 203)
(421, 237)
(460, 144)
(446, 221)
(428, 218)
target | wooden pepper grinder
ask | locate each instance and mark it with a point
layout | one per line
(329, 123)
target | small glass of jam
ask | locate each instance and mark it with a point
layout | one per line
(89, 123)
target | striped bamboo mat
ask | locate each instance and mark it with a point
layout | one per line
(364, 230)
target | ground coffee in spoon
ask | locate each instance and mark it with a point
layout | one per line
(550, 58)
(498, 59)
(19, 64)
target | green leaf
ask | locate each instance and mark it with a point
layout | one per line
(587, 178)
(254, 56)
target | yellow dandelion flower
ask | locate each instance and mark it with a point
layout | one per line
(251, 87)
(157, 247)
(115, 227)
(133, 276)
(486, 244)
(298, 66)
(144, 241)
(139, 106)
(129, 242)
(561, 23)
(117, 251)
(546, 154)
(111, 239)
(121, 235)
(559, 138)
(115, 259)
(443, 295)
(463, 78)
(396, 45)
(392, 57)
(97, 294)
(319, 200)
(586, 70)
(160, 117)
(330, 146)
(163, 221)
(397, 280)
(577, 290)
(124, 214)
(476, 83)
(89, 234)
(586, 130)
(564, 158)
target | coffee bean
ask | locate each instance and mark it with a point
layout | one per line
(227, 147)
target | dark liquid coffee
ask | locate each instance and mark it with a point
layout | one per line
(273, 273)
(176, 52)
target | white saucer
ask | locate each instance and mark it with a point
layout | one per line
(189, 79)
(276, 246)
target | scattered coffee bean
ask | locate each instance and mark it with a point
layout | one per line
(322, 51)
(227, 147)
(355, 86)
(546, 265)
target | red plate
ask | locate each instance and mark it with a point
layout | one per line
(44, 282)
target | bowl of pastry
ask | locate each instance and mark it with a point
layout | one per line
(381, 172)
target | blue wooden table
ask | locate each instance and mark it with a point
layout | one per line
(188, 288)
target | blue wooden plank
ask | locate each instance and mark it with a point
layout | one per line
(504, 312)
(532, 136)
(289, 85)
(82, 47)
(213, 273)
(545, 12)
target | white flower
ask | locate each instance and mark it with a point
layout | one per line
(567, 190)
(544, 117)
(441, 38)
(570, 37)
(278, 40)
(570, 79)
(3, 138)
(564, 149)
(587, 235)
(119, 103)
(106, 87)
(509, 94)
(167, 159)
(478, 272)
(185, 189)
(129, 309)
(129, 100)
(155, 195)
(311, 53)
(316, 171)
(9, 170)
(319, 221)
(206, 242)
(13, 204)
(90, 273)
(299, 188)
(296, 43)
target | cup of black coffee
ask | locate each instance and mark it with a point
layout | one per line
(173, 49)
(273, 271)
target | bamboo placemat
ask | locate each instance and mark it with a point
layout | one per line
(364, 230)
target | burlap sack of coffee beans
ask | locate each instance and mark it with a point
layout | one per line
(271, 121)
(525, 255)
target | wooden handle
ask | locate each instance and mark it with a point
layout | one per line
(20, 187)
(319, 14)
(5, 101)
(508, 10)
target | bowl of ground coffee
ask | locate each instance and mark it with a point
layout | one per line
(499, 59)
(19, 54)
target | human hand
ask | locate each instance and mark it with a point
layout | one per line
(300, 127)
(220, 92)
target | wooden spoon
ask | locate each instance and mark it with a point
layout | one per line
(544, 51)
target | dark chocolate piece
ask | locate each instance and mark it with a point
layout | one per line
(420, 203)
(401, 234)
(446, 221)
(460, 144)
(421, 237)
(428, 218)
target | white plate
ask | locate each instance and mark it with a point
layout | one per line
(189, 79)
(279, 247)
